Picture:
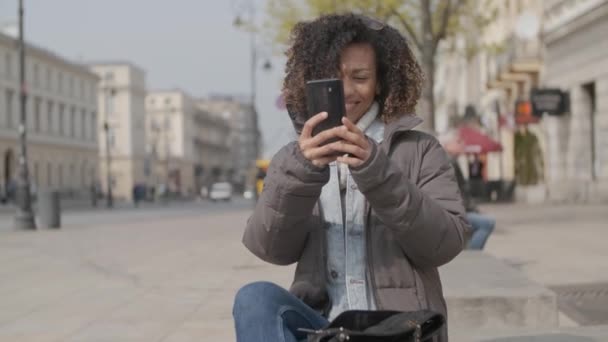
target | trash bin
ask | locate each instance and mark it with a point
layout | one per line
(49, 209)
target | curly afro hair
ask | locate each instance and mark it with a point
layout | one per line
(315, 54)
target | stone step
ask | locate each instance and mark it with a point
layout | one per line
(579, 334)
(485, 294)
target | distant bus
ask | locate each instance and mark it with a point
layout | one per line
(261, 169)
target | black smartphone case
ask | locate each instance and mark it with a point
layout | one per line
(326, 95)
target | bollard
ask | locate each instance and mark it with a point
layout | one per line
(49, 209)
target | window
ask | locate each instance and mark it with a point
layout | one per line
(83, 124)
(9, 108)
(83, 174)
(60, 118)
(37, 104)
(73, 122)
(49, 174)
(7, 65)
(36, 171)
(94, 126)
(49, 116)
(70, 86)
(36, 80)
(59, 82)
(591, 103)
(110, 102)
(72, 174)
(59, 176)
(48, 78)
(112, 137)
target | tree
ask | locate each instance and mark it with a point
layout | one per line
(426, 23)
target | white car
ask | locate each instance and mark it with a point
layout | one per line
(220, 191)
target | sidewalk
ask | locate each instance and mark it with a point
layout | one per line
(172, 276)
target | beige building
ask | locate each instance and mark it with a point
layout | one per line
(121, 96)
(576, 40)
(502, 70)
(244, 137)
(188, 147)
(61, 119)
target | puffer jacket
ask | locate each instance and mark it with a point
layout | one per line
(415, 220)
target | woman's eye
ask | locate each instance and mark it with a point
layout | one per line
(361, 78)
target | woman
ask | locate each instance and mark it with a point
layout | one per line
(369, 228)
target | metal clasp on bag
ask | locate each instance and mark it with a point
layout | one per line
(418, 333)
(340, 333)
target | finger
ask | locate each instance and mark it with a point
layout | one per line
(310, 124)
(324, 136)
(354, 138)
(346, 148)
(351, 126)
(319, 152)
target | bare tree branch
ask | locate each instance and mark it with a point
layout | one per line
(447, 13)
(408, 27)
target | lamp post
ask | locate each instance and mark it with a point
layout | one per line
(108, 94)
(249, 25)
(166, 127)
(24, 218)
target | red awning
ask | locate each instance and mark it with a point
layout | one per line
(476, 142)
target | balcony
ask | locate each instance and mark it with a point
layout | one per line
(521, 61)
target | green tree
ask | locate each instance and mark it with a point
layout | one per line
(426, 23)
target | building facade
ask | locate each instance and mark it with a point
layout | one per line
(187, 146)
(576, 61)
(121, 96)
(493, 71)
(244, 137)
(61, 107)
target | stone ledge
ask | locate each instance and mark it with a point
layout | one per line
(579, 334)
(485, 294)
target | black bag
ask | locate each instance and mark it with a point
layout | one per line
(379, 326)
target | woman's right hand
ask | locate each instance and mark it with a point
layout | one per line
(312, 147)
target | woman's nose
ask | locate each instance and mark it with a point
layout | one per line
(348, 87)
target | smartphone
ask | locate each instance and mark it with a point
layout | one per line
(326, 95)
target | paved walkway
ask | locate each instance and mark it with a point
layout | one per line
(171, 274)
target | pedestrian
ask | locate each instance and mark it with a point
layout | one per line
(136, 195)
(481, 225)
(368, 228)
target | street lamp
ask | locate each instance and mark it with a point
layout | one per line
(24, 218)
(253, 50)
(108, 94)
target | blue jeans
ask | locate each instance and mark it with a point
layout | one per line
(266, 312)
(482, 228)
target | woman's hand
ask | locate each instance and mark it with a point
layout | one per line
(312, 147)
(354, 145)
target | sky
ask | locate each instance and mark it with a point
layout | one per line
(187, 44)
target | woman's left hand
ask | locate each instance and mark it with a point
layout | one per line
(354, 145)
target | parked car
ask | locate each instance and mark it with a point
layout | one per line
(221, 191)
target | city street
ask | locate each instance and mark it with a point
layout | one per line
(170, 273)
(132, 275)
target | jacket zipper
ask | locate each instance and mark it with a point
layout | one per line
(369, 258)
(323, 253)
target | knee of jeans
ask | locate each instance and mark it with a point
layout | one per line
(253, 295)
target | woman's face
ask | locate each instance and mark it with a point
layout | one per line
(358, 73)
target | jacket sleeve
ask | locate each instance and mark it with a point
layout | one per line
(278, 228)
(427, 217)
